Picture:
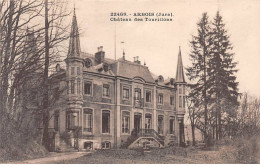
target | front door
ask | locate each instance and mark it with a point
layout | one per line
(138, 122)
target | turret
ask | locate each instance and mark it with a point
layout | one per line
(74, 63)
(180, 97)
(180, 85)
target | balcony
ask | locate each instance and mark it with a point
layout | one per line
(138, 102)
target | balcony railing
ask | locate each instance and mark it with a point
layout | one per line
(138, 102)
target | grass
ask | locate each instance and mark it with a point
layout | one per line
(173, 155)
(228, 152)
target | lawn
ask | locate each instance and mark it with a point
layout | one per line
(174, 155)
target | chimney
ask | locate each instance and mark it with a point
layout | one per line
(123, 55)
(136, 60)
(100, 55)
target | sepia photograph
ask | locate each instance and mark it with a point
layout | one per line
(129, 82)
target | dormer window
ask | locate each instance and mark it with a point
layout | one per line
(160, 78)
(105, 67)
(88, 63)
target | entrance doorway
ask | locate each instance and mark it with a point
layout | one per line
(137, 122)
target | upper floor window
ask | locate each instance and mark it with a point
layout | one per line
(160, 99)
(88, 120)
(180, 90)
(137, 94)
(183, 101)
(88, 88)
(125, 93)
(180, 101)
(106, 90)
(78, 86)
(172, 100)
(72, 70)
(72, 87)
(148, 96)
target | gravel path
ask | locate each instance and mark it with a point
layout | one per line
(53, 158)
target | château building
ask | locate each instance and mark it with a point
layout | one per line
(105, 103)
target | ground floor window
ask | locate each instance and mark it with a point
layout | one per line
(148, 121)
(125, 122)
(88, 120)
(72, 120)
(56, 121)
(105, 121)
(160, 124)
(172, 125)
(106, 145)
(88, 145)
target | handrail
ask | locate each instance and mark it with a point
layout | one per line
(148, 133)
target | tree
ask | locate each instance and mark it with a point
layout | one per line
(222, 80)
(194, 113)
(22, 50)
(200, 50)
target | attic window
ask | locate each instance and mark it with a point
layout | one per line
(88, 63)
(172, 81)
(105, 67)
(160, 78)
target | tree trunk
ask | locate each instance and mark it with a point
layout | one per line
(219, 123)
(193, 134)
(206, 137)
(45, 139)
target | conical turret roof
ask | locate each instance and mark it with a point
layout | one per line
(179, 73)
(74, 45)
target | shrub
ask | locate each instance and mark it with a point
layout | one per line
(243, 150)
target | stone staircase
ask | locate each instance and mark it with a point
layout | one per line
(142, 136)
(64, 147)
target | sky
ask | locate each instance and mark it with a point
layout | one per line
(157, 43)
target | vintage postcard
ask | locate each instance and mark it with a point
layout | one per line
(129, 82)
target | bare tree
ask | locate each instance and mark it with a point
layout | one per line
(22, 58)
(194, 113)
